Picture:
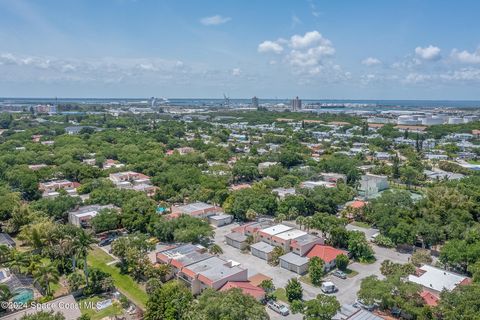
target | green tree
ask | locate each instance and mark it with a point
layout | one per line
(461, 303)
(359, 247)
(82, 244)
(294, 290)
(342, 262)
(46, 274)
(169, 302)
(75, 281)
(322, 308)
(276, 254)
(316, 270)
(421, 257)
(232, 304)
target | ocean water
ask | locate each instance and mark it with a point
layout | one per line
(198, 103)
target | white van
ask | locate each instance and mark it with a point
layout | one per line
(328, 287)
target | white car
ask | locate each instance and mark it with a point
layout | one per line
(278, 308)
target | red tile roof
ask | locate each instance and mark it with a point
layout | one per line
(246, 287)
(257, 279)
(429, 298)
(357, 204)
(326, 253)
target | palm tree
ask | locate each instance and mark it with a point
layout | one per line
(82, 244)
(300, 221)
(18, 261)
(215, 249)
(280, 217)
(5, 293)
(45, 274)
(4, 253)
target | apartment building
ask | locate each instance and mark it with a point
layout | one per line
(50, 189)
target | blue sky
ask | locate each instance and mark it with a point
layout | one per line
(369, 49)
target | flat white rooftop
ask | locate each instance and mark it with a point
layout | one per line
(437, 279)
(291, 234)
(276, 229)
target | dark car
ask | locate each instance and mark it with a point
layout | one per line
(105, 242)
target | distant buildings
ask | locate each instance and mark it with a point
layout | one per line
(134, 181)
(110, 163)
(50, 189)
(77, 129)
(255, 102)
(82, 216)
(371, 185)
(296, 104)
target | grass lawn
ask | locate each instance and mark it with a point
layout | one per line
(306, 279)
(125, 284)
(361, 224)
(474, 161)
(114, 310)
(351, 273)
(281, 295)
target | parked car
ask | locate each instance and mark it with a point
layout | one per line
(340, 274)
(328, 287)
(363, 305)
(279, 308)
(105, 242)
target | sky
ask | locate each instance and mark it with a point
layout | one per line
(315, 49)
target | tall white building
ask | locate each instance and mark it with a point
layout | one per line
(296, 104)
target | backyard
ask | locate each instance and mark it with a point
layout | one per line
(124, 283)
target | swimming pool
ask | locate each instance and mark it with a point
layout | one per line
(23, 295)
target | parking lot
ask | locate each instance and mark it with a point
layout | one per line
(347, 289)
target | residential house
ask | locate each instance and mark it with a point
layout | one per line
(196, 209)
(110, 163)
(50, 189)
(435, 280)
(181, 256)
(283, 192)
(82, 216)
(371, 184)
(134, 181)
(333, 177)
(327, 253)
(220, 220)
(211, 273)
(264, 165)
(246, 287)
(315, 184)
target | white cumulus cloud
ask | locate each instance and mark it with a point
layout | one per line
(371, 61)
(306, 52)
(429, 53)
(236, 72)
(466, 56)
(214, 20)
(270, 46)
